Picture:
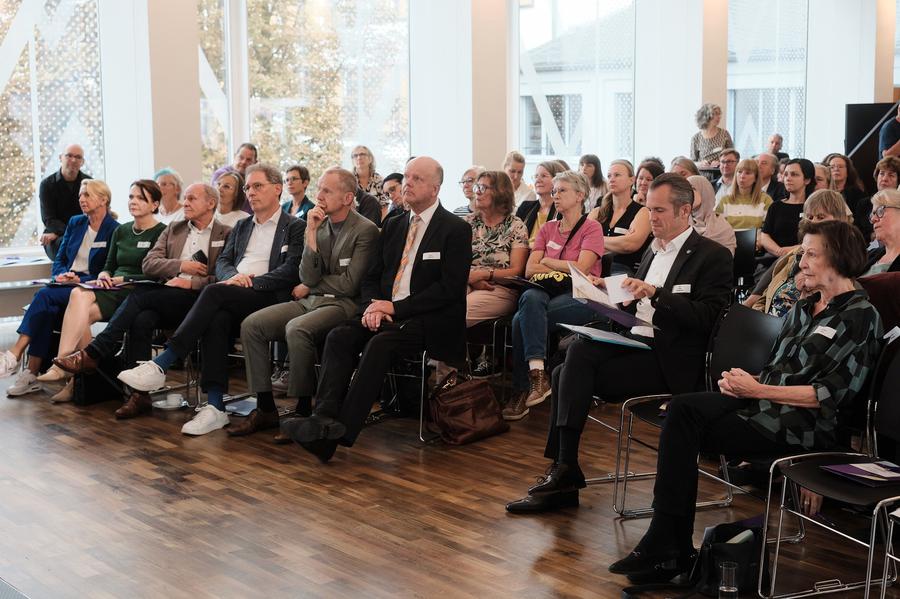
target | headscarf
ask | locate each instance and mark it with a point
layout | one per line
(704, 218)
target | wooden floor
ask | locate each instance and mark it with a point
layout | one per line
(91, 507)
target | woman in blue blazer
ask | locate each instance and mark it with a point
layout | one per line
(81, 256)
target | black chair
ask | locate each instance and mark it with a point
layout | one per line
(744, 262)
(805, 471)
(744, 338)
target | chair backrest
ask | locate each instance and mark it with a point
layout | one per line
(744, 339)
(885, 392)
(744, 254)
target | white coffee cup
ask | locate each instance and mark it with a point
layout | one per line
(173, 400)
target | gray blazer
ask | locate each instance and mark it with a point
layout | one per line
(334, 272)
(163, 261)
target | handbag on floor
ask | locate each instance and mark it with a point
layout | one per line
(99, 386)
(464, 410)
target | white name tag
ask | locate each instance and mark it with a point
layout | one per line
(217, 244)
(620, 231)
(891, 335)
(431, 256)
(284, 249)
(344, 261)
(143, 244)
(686, 288)
(98, 244)
(825, 332)
(329, 295)
(553, 245)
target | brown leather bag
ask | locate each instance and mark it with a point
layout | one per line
(466, 411)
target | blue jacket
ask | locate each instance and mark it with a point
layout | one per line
(71, 241)
(305, 206)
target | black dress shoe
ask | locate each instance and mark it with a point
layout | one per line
(546, 502)
(314, 428)
(560, 478)
(647, 565)
(323, 449)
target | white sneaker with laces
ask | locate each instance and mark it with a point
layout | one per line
(25, 383)
(280, 382)
(146, 376)
(208, 419)
(8, 364)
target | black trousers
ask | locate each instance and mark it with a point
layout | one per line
(612, 372)
(214, 319)
(144, 311)
(350, 401)
(701, 423)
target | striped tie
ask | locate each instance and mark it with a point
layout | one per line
(410, 238)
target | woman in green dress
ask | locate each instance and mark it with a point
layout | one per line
(129, 244)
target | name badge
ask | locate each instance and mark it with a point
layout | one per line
(620, 231)
(891, 335)
(284, 249)
(431, 256)
(686, 288)
(344, 261)
(329, 295)
(553, 245)
(827, 332)
(143, 244)
(98, 244)
(217, 244)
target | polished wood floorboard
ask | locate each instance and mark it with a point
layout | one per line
(92, 507)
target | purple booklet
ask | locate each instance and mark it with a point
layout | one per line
(871, 474)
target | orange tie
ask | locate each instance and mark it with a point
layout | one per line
(410, 238)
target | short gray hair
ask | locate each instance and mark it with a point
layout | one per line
(578, 181)
(273, 175)
(705, 114)
(211, 192)
(347, 179)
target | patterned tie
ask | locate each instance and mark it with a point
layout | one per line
(410, 237)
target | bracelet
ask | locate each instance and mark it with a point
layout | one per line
(491, 277)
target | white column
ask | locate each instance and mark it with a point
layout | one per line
(237, 85)
(715, 54)
(440, 88)
(491, 99)
(885, 25)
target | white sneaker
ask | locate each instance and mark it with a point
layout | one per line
(146, 376)
(208, 419)
(25, 383)
(8, 364)
(280, 382)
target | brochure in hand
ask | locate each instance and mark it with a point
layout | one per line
(599, 300)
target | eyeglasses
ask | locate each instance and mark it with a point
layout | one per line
(358, 155)
(73, 156)
(557, 190)
(878, 211)
(291, 179)
(255, 187)
(468, 181)
(728, 162)
(481, 188)
(544, 176)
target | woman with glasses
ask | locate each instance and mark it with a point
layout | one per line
(296, 180)
(466, 182)
(887, 176)
(710, 140)
(232, 200)
(886, 223)
(171, 185)
(576, 239)
(542, 210)
(364, 169)
(626, 224)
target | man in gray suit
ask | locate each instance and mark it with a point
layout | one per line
(338, 246)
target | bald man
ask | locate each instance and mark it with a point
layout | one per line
(413, 298)
(59, 197)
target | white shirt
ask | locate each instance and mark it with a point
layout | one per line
(663, 259)
(724, 190)
(230, 219)
(524, 193)
(197, 240)
(80, 264)
(167, 218)
(425, 215)
(259, 247)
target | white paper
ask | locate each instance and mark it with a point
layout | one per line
(582, 288)
(614, 289)
(878, 470)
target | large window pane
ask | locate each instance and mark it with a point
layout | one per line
(576, 79)
(326, 75)
(49, 97)
(213, 98)
(767, 73)
(897, 47)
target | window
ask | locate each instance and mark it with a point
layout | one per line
(213, 99)
(897, 47)
(49, 99)
(767, 73)
(326, 76)
(576, 78)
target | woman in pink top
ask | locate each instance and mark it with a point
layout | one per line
(575, 239)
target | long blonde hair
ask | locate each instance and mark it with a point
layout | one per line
(606, 202)
(748, 164)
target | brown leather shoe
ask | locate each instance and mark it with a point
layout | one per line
(138, 403)
(256, 421)
(77, 362)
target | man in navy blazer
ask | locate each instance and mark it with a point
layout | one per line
(258, 267)
(413, 298)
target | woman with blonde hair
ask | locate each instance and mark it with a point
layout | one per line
(626, 224)
(364, 168)
(541, 210)
(746, 206)
(885, 219)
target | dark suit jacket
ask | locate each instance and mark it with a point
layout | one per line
(369, 206)
(437, 285)
(686, 318)
(284, 261)
(58, 203)
(776, 190)
(163, 261)
(71, 241)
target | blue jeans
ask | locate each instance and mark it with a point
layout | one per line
(538, 314)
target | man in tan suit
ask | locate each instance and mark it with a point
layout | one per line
(338, 246)
(180, 261)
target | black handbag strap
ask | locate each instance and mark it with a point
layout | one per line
(572, 233)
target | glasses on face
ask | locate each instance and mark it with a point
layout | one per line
(539, 177)
(728, 162)
(255, 187)
(468, 181)
(73, 156)
(481, 188)
(289, 180)
(356, 155)
(878, 212)
(557, 190)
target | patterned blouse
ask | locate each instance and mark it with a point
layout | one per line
(374, 187)
(708, 150)
(833, 351)
(491, 246)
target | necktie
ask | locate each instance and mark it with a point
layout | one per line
(410, 238)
